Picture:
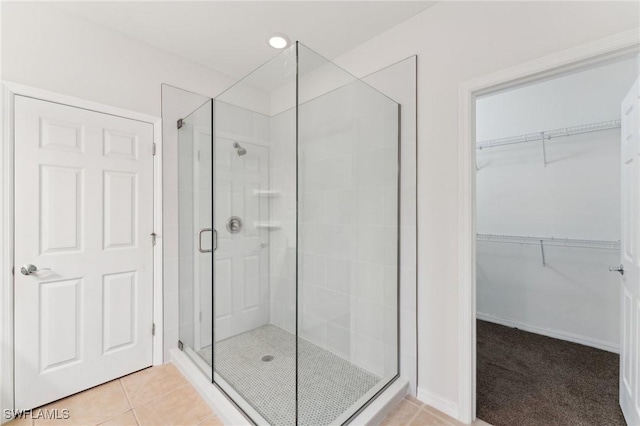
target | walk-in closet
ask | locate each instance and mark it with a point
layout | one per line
(548, 206)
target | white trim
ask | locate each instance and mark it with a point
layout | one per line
(6, 255)
(580, 56)
(158, 259)
(444, 405)
(556, 334)
(46, 95)
(9, 91)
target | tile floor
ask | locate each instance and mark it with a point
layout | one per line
(154, 396)
(161, 396)
(411, 412)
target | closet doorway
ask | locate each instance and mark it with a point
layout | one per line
(549, 204)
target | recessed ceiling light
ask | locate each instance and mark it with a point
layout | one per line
(278, 41)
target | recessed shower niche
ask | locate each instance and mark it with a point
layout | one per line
(288, 189)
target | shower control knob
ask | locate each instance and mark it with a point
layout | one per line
(234, 224)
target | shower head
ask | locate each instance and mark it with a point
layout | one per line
(241, 151)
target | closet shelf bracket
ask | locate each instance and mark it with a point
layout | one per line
(544, 148)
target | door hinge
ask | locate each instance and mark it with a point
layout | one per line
(180, 345)
(180, 123)
(153, 149)
(153, 238)
(153, 329)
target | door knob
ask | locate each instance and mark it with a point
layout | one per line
(617, 269)
(28, 269)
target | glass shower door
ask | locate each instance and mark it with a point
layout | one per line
(254, 262)
(196, 240)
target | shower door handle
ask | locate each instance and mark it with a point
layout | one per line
(215, 237)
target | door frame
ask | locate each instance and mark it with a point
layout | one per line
(7, 108)
(577, 57)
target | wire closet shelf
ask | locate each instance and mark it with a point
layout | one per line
(549, 134)
(550, 241)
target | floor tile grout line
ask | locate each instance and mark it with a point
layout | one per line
(413, 403)
(162, 395)
(415, 415)
(437, 413)
(447, 421)
(126, 394)
(185, 383)
(135, 416)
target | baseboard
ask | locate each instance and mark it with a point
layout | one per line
(556, 334)
(447, 406)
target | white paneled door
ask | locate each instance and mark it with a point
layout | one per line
(241, 259)
(630, 253)
(83, 219)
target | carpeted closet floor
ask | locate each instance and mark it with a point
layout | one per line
(527, 379)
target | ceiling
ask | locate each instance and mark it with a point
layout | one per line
(231, 36)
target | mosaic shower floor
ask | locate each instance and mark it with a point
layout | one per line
(328, 385)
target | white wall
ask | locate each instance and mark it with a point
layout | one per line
(53, 50)
(455, 42)
(45, 47)
(577, 195)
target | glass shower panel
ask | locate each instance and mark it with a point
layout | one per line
(347, 241)
(288, 241)
(254, 262)
(195, 236)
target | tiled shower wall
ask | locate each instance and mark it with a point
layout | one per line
(326, 316)
(282, 244)
(348, 225)
(347, 238)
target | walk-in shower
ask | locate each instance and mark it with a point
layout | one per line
(289, 231)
